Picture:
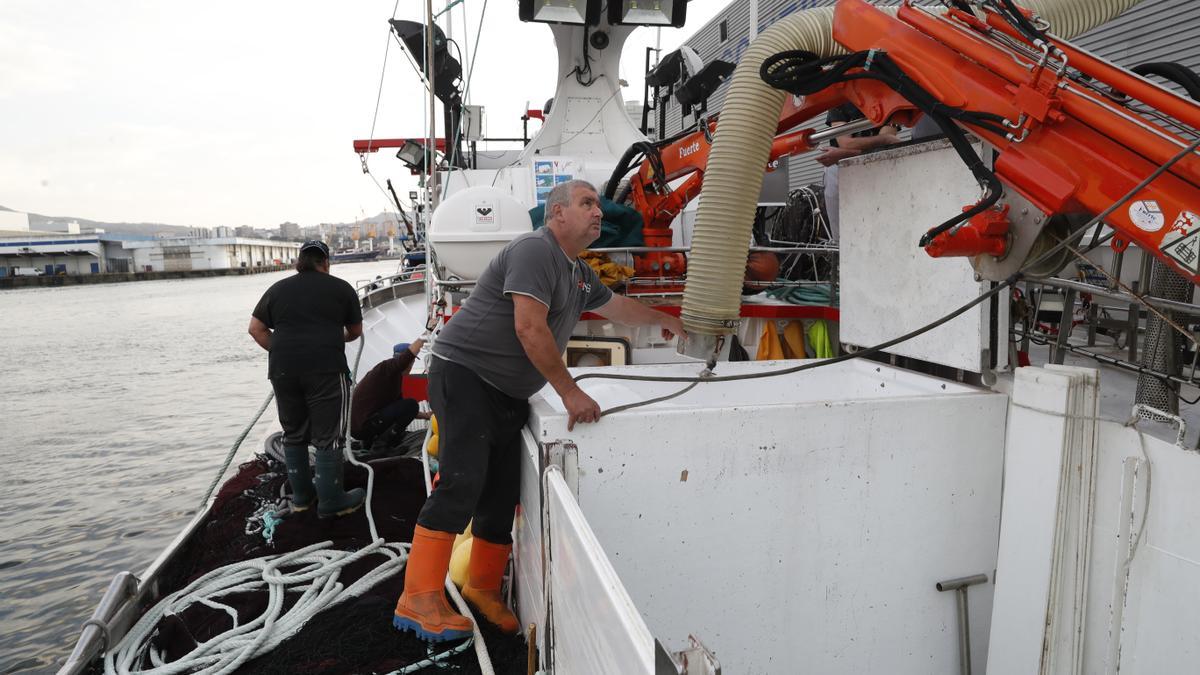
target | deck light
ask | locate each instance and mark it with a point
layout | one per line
(647, 12)
(674, 67)
(577, 12)
(413, 155)
(447, 71)
(696, 89)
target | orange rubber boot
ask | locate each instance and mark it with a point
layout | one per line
(422, 607)
(484, 574)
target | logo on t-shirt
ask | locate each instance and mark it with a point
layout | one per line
(580, 283)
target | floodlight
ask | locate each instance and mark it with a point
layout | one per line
(413, 155)
(577, 12)
(446, 69)
(678, 65)
(647, 12)
(697, 88)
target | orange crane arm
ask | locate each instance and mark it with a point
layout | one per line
(1066, 142)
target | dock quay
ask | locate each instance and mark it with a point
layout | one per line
(7, 283)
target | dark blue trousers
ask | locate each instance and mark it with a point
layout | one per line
(479, 452)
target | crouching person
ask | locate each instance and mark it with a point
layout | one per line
(380, 414)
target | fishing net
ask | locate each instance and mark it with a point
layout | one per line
(355, 636)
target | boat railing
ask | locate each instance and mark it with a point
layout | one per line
(375, 292)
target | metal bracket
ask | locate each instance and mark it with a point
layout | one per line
(695, 659)
(1141, 411)
(564, 454)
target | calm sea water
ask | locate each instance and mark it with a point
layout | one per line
(118, 404)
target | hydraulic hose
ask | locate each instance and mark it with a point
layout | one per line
(742, 144)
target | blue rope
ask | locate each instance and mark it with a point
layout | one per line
(270, 520)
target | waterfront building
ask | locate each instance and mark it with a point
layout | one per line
(27, 252)
(45, 253)
(186, 254)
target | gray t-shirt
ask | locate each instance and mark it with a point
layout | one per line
(482, 336)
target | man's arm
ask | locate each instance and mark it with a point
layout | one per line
(353, 332)
(852, 146)
(534, 333)
(261, 334)
(633, 313)
(887, 136)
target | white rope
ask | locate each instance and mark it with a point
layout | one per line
(233, 451)
(312, 571)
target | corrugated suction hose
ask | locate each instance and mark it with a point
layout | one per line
(742, 145)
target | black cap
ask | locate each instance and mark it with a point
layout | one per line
(313, 243)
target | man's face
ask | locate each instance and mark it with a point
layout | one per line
(581, 219)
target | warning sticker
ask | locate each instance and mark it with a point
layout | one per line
(1186, 223)
(1186, 251)
(1147, 215)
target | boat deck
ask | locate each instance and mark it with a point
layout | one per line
(353, 637)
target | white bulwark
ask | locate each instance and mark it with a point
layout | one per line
(186, 254)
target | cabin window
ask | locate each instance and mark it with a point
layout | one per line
(724, 31)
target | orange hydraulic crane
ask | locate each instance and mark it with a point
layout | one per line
(1069, 138)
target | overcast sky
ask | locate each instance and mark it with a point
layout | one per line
(240, 113)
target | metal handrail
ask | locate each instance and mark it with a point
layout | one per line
(1160, 303)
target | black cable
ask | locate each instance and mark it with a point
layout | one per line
(1173, 72)
(623, 165)
(1013, 15)
(580, 72)
(803, 73)
(683, 132)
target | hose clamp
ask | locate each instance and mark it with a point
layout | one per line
(870, 59)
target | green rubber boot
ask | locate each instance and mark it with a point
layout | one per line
(332, 500)
(299, 477)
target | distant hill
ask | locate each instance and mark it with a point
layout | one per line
(37, 221)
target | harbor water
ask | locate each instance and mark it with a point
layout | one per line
(118, 404)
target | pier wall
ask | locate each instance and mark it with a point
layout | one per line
(118, 277)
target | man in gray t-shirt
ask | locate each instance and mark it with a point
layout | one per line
(503, 346)
(482, 337)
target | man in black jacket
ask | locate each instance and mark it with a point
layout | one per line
(380, 413)
(304, 322)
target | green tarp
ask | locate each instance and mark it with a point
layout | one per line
(621, 225)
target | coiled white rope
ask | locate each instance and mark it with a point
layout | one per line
(312, 571)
